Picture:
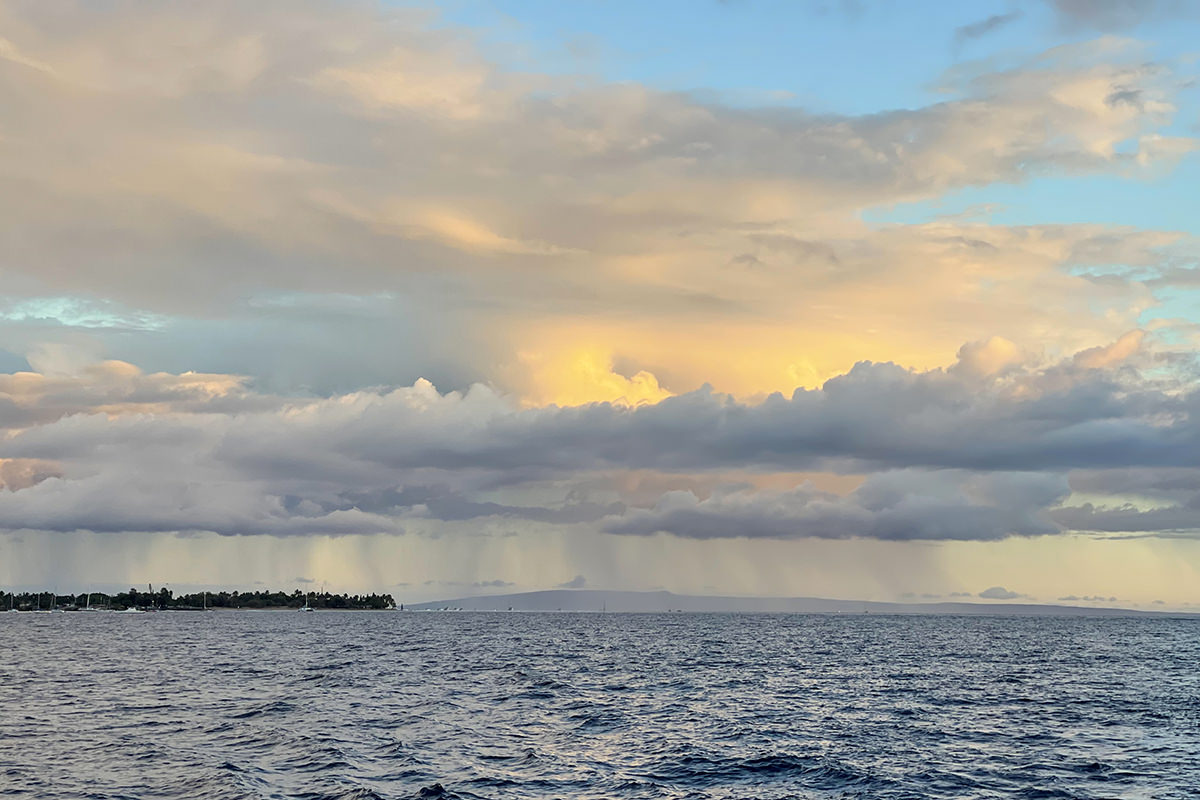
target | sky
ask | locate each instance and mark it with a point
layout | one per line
(851, 299)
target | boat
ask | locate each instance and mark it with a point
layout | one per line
(91, 608)
(306, 606)
(54, 609)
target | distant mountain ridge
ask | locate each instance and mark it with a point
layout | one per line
(662, 601)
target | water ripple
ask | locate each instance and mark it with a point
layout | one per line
(333, 706)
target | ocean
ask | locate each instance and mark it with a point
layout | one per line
(588, 705)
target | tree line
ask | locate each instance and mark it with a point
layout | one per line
(165, 599)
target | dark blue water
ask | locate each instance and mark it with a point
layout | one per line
(477, 705)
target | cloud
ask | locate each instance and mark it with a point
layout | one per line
(1163, 485)
(547, 227)
(285, 211)
(889, 506)
(877, 415)
(1183, 518)
(578, 582)
(989, 357)
(1115, 353)
(1111, 16)
(983, 27)
(22, 473)
(999, 593)
(442, 502)
(960, 453)
(116, 387)
(105, 504)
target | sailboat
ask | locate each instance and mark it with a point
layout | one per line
(306, 606)
(88, 606)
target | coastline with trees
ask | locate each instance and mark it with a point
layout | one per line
(166, 600)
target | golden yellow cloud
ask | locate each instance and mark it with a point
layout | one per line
(577, 375)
